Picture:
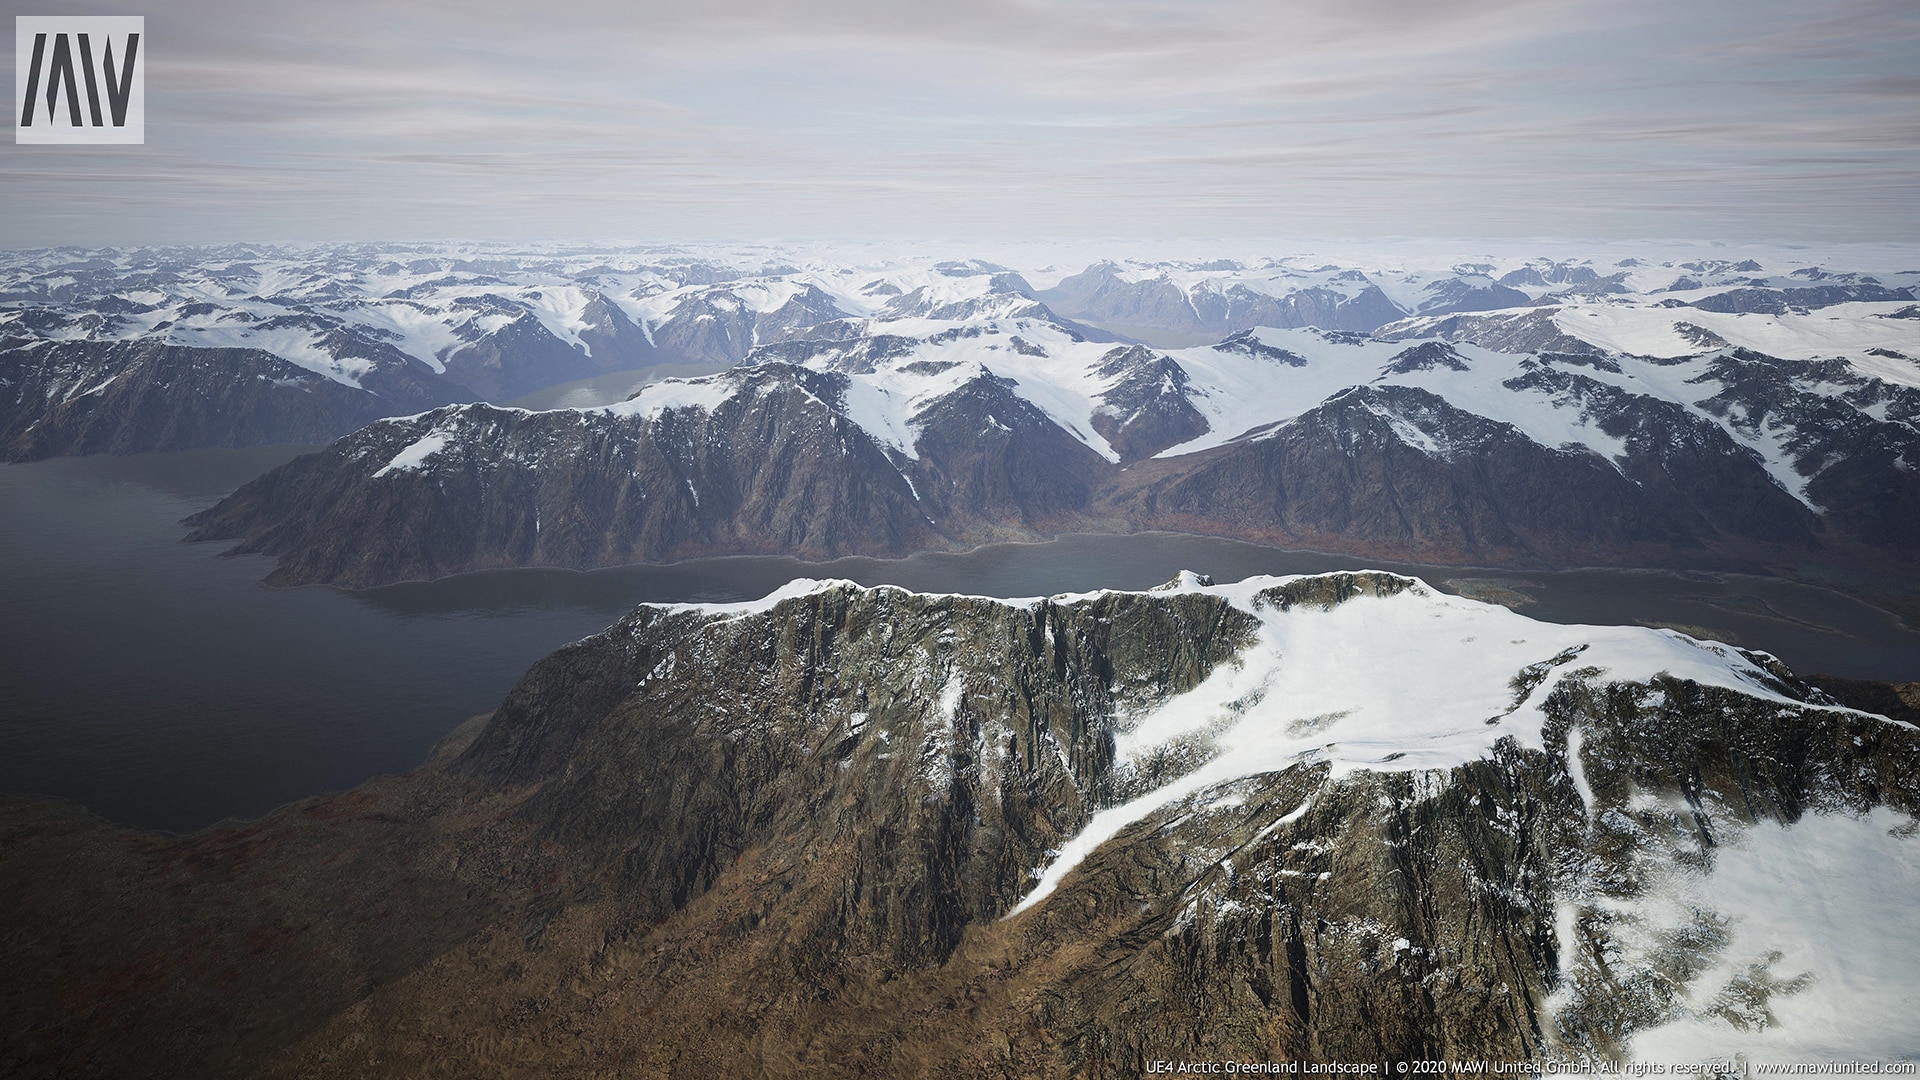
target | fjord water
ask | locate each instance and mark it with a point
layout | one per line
(164, 687)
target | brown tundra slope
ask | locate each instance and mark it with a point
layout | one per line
(792, 839)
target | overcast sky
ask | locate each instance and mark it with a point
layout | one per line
(784, 119)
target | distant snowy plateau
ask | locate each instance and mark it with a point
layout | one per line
(1534, 411)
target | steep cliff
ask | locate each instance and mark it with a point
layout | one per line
(1337, 818)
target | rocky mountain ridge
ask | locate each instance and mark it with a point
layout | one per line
(897, 834)
(1019, 428)
(135, 397)
(421, 325)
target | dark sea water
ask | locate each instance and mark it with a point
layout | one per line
(162, 686)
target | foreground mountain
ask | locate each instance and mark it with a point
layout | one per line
(1335, 818)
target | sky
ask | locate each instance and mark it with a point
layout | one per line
(869, 120)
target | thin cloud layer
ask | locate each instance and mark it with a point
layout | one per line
(857, 118)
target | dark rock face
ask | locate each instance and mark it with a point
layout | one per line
(1865, 472)
(855, 355)
(1553, 273)
(613, 341)
(422, 325)
(991, 464)
(860, 699)
(704, 329)
(1895, 701)
(523, 355)
(1699, 335)
(1247, 343)
(807, 307)
(135, 397)
(1099, 293)
(987, 465)
(1610, 285)
(1782, 301)
(489, 324)
(924, 303)
(716, 327)
(1238, 307)
(1518, 332)
(1425, 357)
(1405, 470)
(774, 469)
(1147, 409)
(1364, 312)
(1469, 294)
(1380, 469)
(517, 359)
(1688, 469)
(145, 394)
(783, 841)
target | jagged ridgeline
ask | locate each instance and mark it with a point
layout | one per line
(502, 407)
(1359, 446)
(872, 832)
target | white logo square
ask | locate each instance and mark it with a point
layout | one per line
(80, 79)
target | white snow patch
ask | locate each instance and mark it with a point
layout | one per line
(1834, 897)
(562, 310)
(1889, 369)
(948, 706)
(415, 454)
(1646, 330)
(1400, 683)
(1577, 769)
(424, 333)
(1239, 393)
(299, 345)
(669, 395)
(794, 589)
(883, 412)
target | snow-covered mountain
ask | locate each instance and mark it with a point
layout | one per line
(1331, 818)
(395, 329)
(1529, 409)
(961, 409)
(398, 328)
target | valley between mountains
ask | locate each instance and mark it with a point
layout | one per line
(1681, 412)
(842, 830)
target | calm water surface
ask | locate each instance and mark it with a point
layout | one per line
(161, 685)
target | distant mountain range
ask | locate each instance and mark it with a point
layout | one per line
(870, 832)
(1548, 412)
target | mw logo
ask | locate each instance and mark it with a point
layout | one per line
(80, 79)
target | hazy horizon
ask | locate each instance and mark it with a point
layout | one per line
(854, 121)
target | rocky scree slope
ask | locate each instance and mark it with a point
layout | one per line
(892, 834)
